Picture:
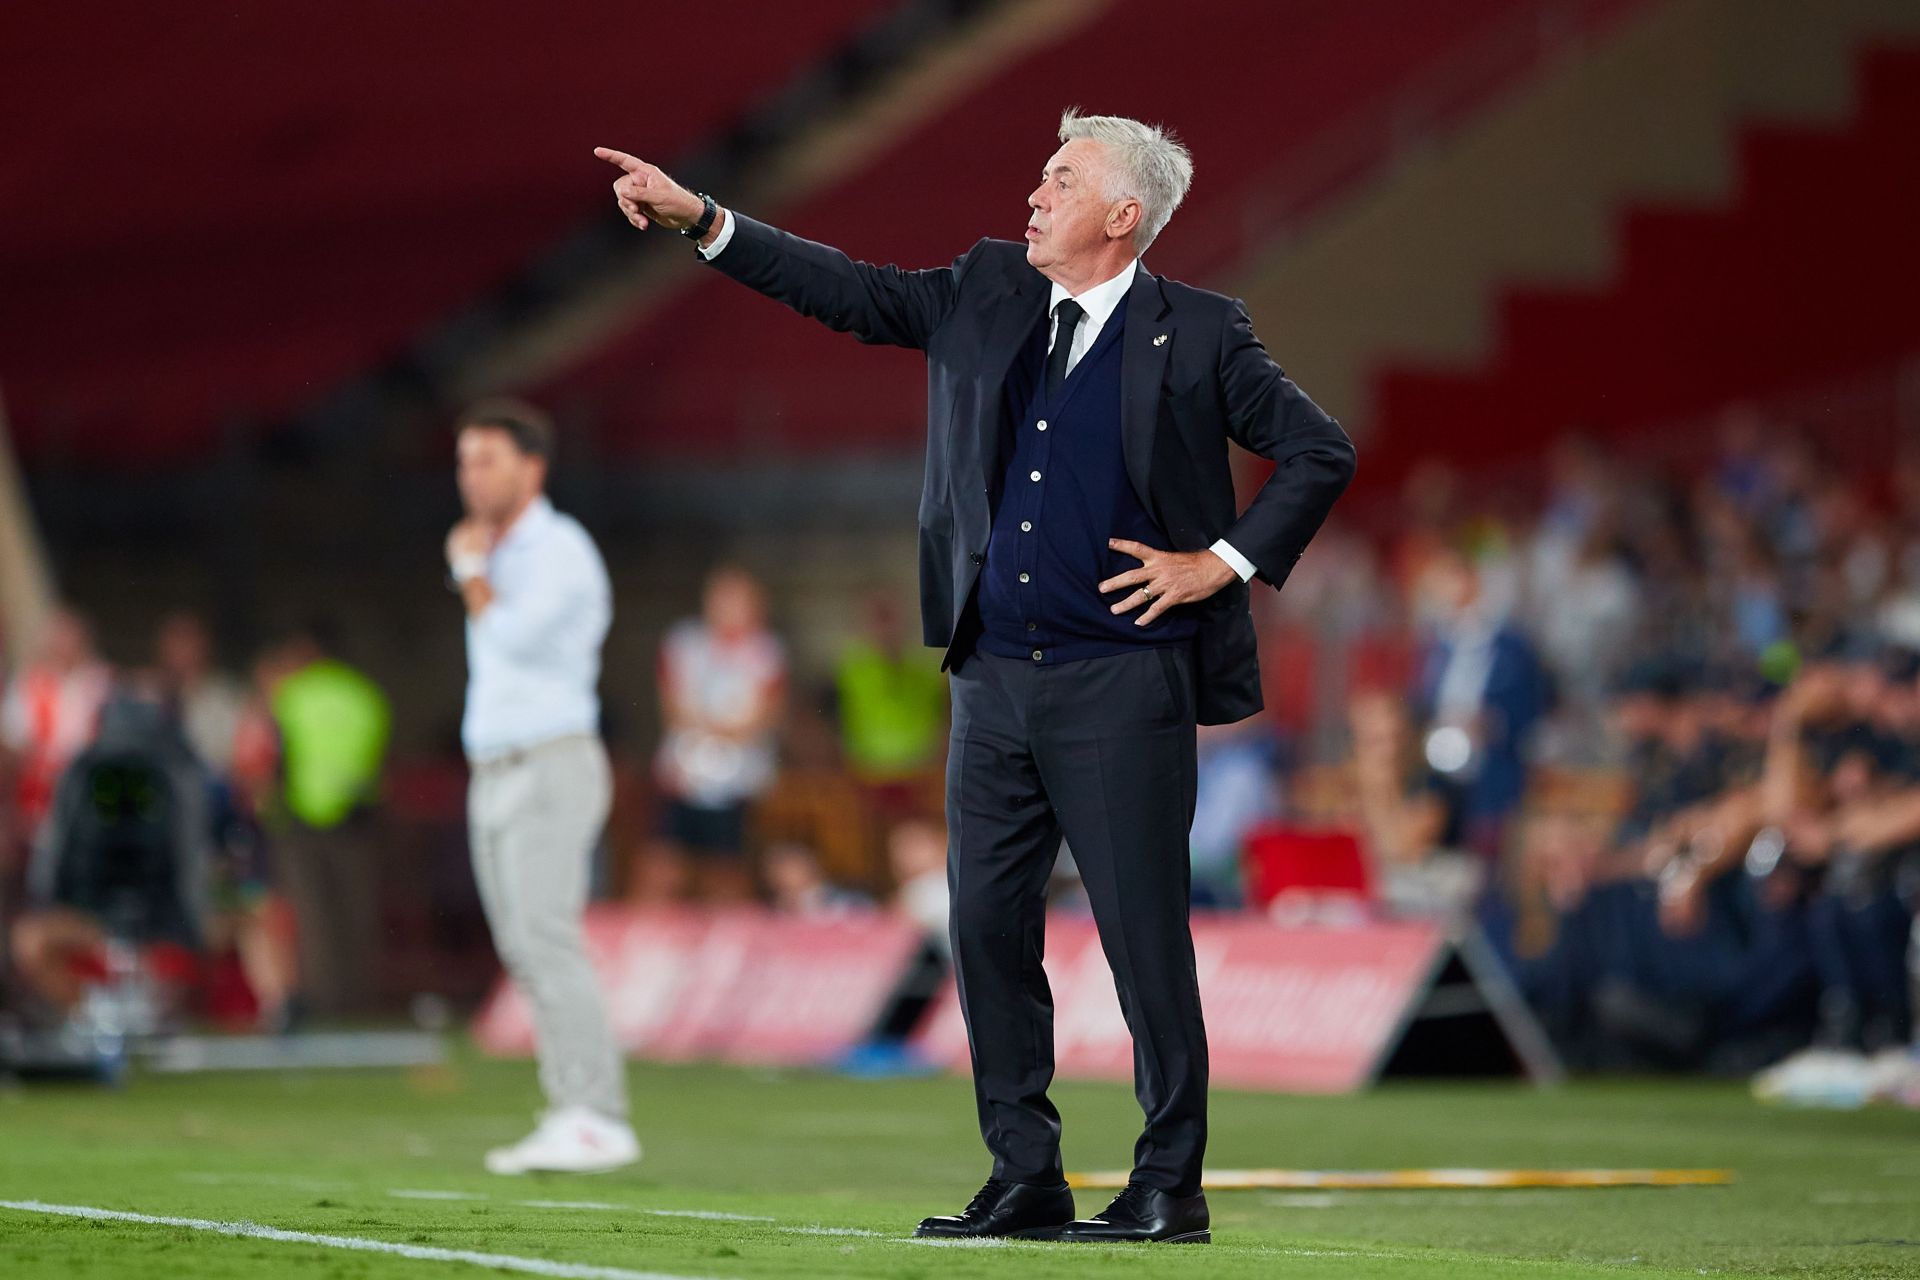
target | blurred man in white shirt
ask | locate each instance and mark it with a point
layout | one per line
(538, 607)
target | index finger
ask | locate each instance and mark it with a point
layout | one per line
(632, 164)
(1138, 550)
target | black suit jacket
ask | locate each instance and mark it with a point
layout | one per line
(1195, 377)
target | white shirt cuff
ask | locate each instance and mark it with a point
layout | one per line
(1235, 561)
(712, 251)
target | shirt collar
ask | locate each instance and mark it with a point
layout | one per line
(1100, 301)
(538, 512)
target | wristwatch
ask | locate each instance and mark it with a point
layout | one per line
(708, 212)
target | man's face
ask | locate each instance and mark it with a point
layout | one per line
(1638, 717)
(495, 478)
(1069, 216)
(65, 643)
(184, 647)
(883, 623)
(733, 606)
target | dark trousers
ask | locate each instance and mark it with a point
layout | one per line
(332, 877)
(1859, 947)
(1102, 753)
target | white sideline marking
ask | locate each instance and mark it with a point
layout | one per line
(404, 1193)
(833, 1231)
(255, 1231)
(567, 1204)
(706, 1215)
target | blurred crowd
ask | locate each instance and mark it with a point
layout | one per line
(235, 836)
(1655, 730)
(177, 813)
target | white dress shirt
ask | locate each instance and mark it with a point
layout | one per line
(1099, 302)
(533, 655)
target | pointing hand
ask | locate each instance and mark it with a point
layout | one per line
(646, 195)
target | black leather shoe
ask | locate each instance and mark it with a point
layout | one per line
(1017, 1209)
(1143, 1213)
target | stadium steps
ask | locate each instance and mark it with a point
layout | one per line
(1805, 279)
(833, 117)
(1412, 272)
(1282, 103)
(329, 180)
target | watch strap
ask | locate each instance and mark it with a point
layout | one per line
(708, 212)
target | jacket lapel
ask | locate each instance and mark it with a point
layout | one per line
(1008, 326)
(1143, 370)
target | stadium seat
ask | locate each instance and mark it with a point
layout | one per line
(1296, 873)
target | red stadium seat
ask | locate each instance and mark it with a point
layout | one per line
(1302, 872)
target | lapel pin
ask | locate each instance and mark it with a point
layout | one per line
(1160, 341)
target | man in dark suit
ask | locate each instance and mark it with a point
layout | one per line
(1084, 567)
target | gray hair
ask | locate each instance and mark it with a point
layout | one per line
(1145, 163)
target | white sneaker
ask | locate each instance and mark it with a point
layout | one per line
(1893, 1075)
(1817, 1078)
(570, 1140)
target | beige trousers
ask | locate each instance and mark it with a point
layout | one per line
(534, 819)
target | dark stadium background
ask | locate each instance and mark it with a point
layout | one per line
(1615, 297)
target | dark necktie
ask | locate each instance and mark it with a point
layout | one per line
(1067, 318)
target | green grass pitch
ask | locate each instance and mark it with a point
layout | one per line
(825, 1177)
